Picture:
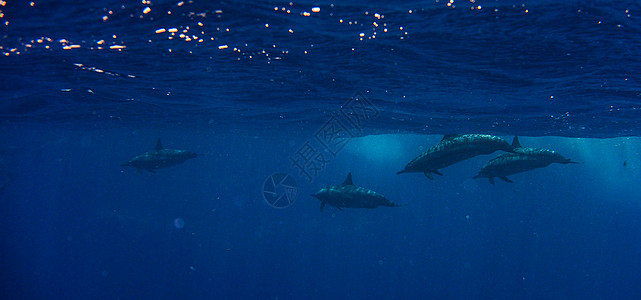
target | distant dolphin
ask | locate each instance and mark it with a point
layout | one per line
(523, 159)
(455, 148)
(159, 158)
(351, 196)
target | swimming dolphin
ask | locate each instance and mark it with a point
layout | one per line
(159, 158)
(455, 148)
(351, 196)
(523, 159)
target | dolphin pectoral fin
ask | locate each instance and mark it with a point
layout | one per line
(491, 179)
(401, 172)
(150, 170)
(429, 175)
(322, 206)
(339, 208)
(437, 172)
(506, 179)
(139, 170)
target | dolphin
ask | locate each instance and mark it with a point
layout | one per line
(159, 158)
(523, 159)
(351, 196)
(455, 148)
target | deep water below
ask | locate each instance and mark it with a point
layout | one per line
(77, 225)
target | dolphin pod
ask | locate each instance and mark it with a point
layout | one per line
(450, 150)
(453, 148)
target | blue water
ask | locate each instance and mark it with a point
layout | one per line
(87, 86)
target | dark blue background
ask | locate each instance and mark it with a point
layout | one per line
(77, 225)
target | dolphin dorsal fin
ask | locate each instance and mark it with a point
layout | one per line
(348, 180)
(450, 136)
(158, 145)
(515, 142)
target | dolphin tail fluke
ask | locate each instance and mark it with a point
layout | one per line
(506, 179)
(515, 142)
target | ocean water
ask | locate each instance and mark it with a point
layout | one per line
(304, 93)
